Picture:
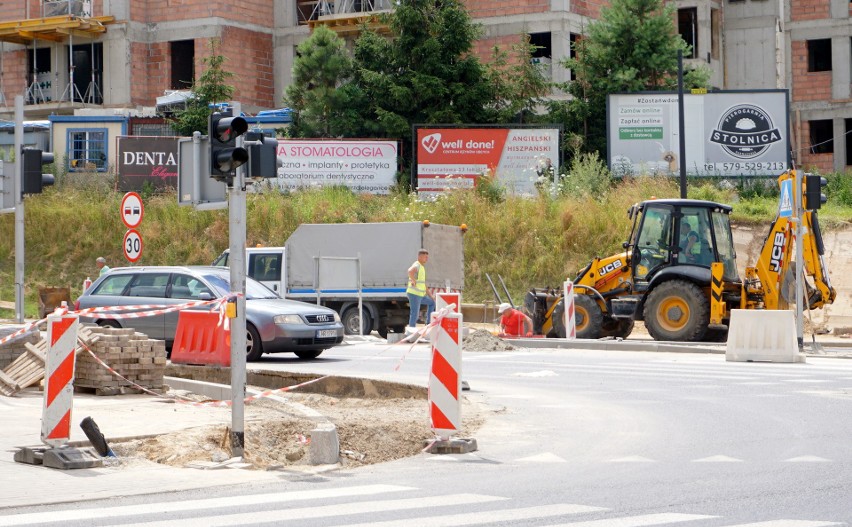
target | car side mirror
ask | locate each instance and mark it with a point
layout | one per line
(205, 296)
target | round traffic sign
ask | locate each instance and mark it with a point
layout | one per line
(132, 210)
(132, 245)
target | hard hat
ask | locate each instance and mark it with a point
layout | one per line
(503, 307)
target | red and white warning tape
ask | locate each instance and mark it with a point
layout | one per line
(424, 332)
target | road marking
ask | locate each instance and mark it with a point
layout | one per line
(639, 521)
(516, 516)
(543, 458)
(807, 459)
(717, 459)
(324, 511)
(787, 523)
(195, 505)
(813, 381)
(542, 373)
(632, 459)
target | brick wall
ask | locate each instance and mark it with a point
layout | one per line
(139, 93)
(590, 8)
(489, 8)
(809, 161)
(808, 86)
(484, 48)
(249, 58)
(14, 74)
(810, 10)
(255, 12)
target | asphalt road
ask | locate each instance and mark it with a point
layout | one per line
(585, 438)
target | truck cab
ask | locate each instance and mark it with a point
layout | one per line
(264, 264)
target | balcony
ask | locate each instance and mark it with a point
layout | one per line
(345, 17)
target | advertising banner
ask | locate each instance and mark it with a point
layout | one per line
(732, 133)
(449, 158)
(142, 160)
(364, 166)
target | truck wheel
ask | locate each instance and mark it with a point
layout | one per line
(350, 320)
(109, 323)
(383, 331)
(617, 327)
(677, 310)
(588, 317)
(254, 347)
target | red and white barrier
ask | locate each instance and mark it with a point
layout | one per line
(570, 321)
(445, 377)
(59, 378)
(443, 300)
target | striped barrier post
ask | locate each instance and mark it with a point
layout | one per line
(445, 377)
(443, 300)
(570, 321)
(59, 378)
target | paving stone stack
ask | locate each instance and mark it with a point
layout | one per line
(13, 349)
(133, 355)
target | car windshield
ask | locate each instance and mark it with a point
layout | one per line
(254, 289)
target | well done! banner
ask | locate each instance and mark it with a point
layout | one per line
(363, 166)
(455, 157)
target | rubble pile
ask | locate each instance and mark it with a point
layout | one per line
(132, 355)
(483, 340)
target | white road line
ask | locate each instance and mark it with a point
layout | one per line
(638, 521)
(516, 516)
(62, 516)
(786, 523)
(717, 459)
(325, 511)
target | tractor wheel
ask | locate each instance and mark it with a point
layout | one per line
(616, 327)
(588, 317)
(677, 310)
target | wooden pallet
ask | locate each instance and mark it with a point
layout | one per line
(29, 367)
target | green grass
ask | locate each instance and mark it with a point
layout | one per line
(530, 242)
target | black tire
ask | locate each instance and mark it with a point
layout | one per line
(716, 335)
(677, 310)
(308, 354)
(557, 321)
(398, 329)
(383, 331)
(588, 317)
(254, 347)
(350, 321)
(109, 323)
(616, 327)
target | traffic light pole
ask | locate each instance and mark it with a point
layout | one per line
(237, 238)
(17, 188)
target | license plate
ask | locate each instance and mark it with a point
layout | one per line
(326, 333)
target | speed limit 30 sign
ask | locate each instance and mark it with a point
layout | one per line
(132, 245)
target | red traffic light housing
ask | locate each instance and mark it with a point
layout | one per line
(223, 130)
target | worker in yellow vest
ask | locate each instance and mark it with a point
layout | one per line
(417, 293)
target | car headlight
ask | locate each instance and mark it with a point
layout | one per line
(287, 319)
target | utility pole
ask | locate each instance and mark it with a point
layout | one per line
(17, 188)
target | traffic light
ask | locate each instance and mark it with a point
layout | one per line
(263, 156)
(814, 197)
(34, 177)
(223, 130)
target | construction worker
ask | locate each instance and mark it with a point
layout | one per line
(514, 323)
(100, 263)
(417, 293)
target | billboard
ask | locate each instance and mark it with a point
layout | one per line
(147, 159)
(727, 133)
(450, 158)
(364, 166)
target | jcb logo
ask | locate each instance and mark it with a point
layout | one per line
(609, 267)
(777, 252)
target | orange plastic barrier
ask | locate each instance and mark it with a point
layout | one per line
(200, 339)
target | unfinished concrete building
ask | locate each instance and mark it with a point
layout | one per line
(118, 55)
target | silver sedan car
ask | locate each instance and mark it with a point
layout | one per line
(273, 324)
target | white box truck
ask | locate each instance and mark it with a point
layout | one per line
(320, 263)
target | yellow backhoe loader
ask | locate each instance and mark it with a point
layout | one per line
(678, 273)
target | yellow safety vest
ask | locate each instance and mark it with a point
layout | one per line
(418, 289)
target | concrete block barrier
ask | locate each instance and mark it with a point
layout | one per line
(763, 335)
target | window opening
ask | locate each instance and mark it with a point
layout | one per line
(819, 55)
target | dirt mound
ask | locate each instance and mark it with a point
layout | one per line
(277, 437)
(483, 340)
